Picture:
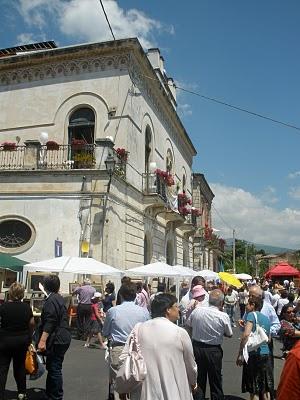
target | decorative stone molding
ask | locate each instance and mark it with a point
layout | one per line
(62, 69)
(145, 84)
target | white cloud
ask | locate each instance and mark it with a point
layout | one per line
(28, 37)
(294, 193)
(268, 196)
(184, 109)
(253, 220)
(84, 20)
(293, 175)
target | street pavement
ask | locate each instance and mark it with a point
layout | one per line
(86, 373)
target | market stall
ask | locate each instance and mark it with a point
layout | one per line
(10, 271)
(67, 268)
(281, 271)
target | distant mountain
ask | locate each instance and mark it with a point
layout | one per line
(267, 248)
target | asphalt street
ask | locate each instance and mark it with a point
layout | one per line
(86, 373)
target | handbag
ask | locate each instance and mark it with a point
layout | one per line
(30, 360)
(40, 368)
(133, 370)
(256, 338)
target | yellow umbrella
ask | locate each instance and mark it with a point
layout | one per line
(230, 279)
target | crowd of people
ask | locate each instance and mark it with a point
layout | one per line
(179, 339)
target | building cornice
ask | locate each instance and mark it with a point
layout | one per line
(199, 180)
(87, 58)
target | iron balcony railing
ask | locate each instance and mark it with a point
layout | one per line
(12, 158)
(56, 157)
(154, 184)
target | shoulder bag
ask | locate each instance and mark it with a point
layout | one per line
(133, 370)
(31, 365)
(256, 338)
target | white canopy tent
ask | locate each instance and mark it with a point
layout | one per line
(185, 272)
(243, 277)
(157, 269)
(164, 270)
(208, 274)
(75, 265)
(72, 265)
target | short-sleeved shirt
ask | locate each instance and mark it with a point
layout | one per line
(264, 322)
(14, 318)
(85, 294)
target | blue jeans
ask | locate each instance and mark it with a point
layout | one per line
(54, 382)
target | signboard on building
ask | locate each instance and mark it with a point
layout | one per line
(57, 248)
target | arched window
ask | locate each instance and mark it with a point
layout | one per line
(169, 161)
(82, 125)
(148, 145)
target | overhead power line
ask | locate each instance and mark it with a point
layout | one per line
(222, 219)
(232, 106)
(107, 19)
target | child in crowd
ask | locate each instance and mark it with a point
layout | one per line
(96, 324)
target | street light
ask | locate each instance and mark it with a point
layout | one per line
(110, 165)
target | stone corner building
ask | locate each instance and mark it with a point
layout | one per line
(93, 154)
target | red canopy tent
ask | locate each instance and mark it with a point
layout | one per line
(282, 269)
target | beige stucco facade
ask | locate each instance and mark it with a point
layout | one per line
(38, 93)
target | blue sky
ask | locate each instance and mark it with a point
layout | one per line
(243, 53)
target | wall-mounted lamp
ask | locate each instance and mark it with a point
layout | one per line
(110, 164)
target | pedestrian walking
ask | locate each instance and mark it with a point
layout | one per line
(185, 301)
(209, 326)
(16, 330)
(142, 296)
(230, 302)
(171, 367)
(85, 293)
(118, 324)
(243, 296)
(96, 323)
(55, 337)
(257, 376)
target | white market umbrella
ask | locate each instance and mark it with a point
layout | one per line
(157, 269)
(185, 272)
(208, 274)
(75, 265)
(243, 277)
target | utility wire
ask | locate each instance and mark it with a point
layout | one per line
(237, 108)
(220, 216)
(107, 19)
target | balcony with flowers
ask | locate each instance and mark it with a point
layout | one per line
(212, 241)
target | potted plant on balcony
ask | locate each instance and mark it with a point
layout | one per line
(196, 212)
(183, 199)
(84, 160)
(184, 211)
(166, 176)
(52, 145)
(9, 146)
(78, 144)
(122, 154)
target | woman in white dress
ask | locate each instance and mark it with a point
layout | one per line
(168, 353)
